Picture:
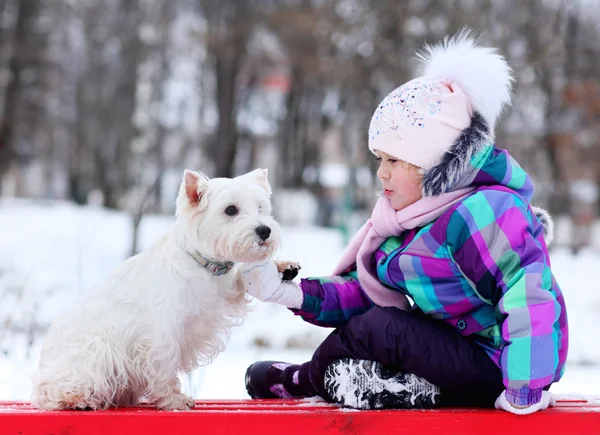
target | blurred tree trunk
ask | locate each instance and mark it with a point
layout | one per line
(25, 56)
(5, 35)
(106, 100)
(230, 26)
(289, 143)
(76, 178)
(130, 56)
(162, 17)
(227, 68)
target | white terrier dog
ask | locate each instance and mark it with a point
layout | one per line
(166, 310)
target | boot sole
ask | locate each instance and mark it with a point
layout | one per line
(364, 384)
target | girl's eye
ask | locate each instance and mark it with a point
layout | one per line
(378, 159)
(232, 210)
(392, 161)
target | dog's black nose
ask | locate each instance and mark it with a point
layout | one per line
(263, 232)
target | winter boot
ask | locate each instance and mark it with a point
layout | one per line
(276, 380)
(365, 384)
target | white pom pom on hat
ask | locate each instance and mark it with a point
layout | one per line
(482, 73)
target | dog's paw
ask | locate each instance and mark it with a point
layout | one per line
(288, 269)
(175, 402)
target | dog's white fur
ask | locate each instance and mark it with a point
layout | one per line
(160, 313)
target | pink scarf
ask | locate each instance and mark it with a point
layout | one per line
(386, 222)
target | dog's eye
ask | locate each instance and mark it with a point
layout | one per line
(231, 210)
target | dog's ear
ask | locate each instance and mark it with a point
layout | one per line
(260, 176)
(194, 186)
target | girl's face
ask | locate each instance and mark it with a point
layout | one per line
(401, 181)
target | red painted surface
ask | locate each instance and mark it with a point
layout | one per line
(291, 417)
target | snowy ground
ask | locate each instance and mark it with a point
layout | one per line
(50, 251)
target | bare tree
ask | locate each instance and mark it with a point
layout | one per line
(20, 99)
(106, 97)
(230, 24)
(162, 16)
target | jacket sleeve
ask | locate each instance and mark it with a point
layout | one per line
(498, 245)
(330, 301)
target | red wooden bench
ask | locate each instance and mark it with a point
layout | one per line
(291, 417)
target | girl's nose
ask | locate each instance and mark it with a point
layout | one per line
(382, 174)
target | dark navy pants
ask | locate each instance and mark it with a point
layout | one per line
(413, 343)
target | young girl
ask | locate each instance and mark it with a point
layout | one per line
(455, 233)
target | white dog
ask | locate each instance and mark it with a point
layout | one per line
(166, 310)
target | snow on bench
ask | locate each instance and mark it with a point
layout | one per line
(579, 415)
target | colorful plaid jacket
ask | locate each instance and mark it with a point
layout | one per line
(483, 267)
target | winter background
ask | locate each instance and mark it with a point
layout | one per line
(104, 103)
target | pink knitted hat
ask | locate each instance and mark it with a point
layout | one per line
(439, 120)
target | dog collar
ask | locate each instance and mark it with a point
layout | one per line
(216, 268)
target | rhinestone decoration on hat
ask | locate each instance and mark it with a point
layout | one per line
(406, 106)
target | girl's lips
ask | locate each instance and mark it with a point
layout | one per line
(388, 192)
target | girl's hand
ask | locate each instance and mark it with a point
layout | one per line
(502, 403)
(264, 282)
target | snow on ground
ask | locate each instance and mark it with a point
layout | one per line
(50, 251)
